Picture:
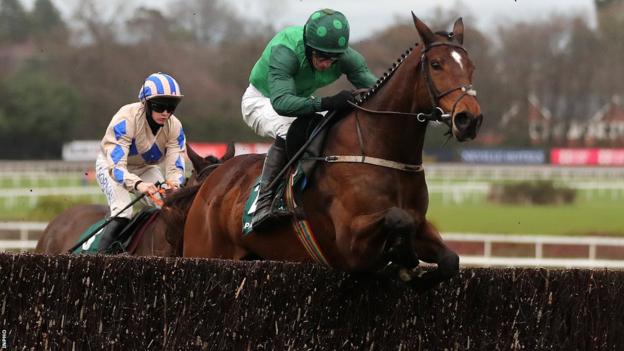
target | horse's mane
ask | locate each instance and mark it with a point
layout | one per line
(182, 198)
(177, 204)
(385, 77)
(447, 35)
(174, 212)
(212, 159)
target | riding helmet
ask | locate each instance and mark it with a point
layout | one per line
(327, 31)
(159, 85)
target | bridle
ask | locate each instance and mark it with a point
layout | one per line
(437, 113)
(434, 95)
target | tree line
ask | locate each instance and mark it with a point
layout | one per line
(63, 79)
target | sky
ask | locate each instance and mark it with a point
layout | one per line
(369, 16)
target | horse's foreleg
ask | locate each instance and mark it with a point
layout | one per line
(379, 241)
(400, 226)
(431, 249)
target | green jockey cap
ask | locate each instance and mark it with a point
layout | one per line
(328, 31)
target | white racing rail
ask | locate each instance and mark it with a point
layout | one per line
(482, 261)
(24, 229)
(538, 242)
(486, 260)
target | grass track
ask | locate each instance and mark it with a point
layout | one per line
(603, 214)
(599, 216)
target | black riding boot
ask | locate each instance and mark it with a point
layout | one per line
(111, 232)
(264, 217)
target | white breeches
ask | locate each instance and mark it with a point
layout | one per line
(116, 194)
(259, 114)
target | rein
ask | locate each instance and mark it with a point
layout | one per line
(436, 115)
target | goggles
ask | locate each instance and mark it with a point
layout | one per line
(325, 56)
(160, 106)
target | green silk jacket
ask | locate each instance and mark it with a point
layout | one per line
(284, 74)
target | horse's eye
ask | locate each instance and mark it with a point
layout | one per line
(436, 65)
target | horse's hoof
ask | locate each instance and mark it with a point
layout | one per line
(406, 275)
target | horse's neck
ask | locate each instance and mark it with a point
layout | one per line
(398, 138)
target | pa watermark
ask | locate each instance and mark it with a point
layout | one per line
(4, 345)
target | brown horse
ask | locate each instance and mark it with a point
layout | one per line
(367, 213)
(162, 235)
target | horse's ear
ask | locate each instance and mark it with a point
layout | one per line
(425, 33)
(458, 31)
(196, 160)
(229, 152)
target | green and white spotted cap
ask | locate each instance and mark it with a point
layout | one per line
(328, 31)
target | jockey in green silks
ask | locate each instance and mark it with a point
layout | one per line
(294, 64)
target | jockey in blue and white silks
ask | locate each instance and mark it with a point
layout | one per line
(139, 138)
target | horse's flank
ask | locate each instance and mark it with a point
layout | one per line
(73, 220)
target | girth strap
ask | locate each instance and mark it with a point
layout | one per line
(302, 226)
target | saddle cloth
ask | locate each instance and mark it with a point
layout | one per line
(299, 131)
(128, 237)
(278, 203)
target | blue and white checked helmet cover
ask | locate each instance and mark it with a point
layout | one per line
(159, 85)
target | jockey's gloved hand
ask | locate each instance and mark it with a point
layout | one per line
(146, 187)
(339, 101)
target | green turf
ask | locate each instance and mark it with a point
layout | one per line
(599, 216)
(46, 208)
(42, 182)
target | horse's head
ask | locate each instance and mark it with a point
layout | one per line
(447, 73)
(202, 166)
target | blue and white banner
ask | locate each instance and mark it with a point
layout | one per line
(503, 156)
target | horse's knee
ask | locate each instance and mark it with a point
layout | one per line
(400, 225)
(448, 266)
(399, 221)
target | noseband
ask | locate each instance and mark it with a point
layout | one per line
(437, 113)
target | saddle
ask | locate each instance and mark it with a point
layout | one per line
(298, 133)
(129, 236)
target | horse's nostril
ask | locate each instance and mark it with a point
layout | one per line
(462, 120)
